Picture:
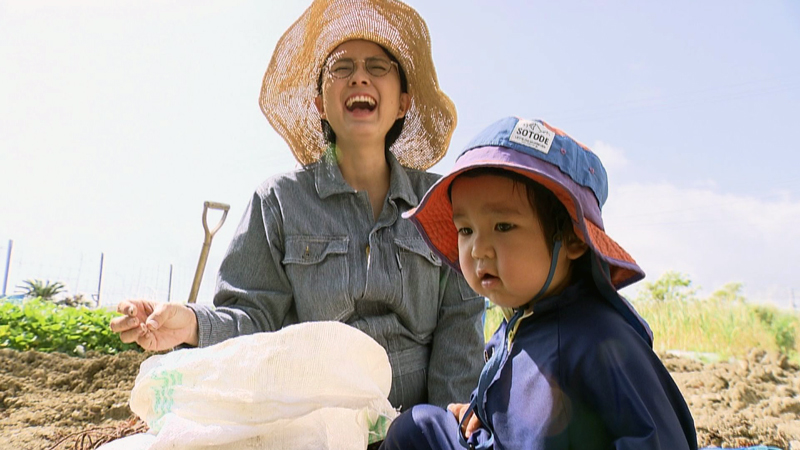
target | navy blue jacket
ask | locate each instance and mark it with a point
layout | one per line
(578, 376)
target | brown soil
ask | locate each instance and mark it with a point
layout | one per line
(46, 397)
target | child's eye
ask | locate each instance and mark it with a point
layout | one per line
(464, 231)
(503, 227)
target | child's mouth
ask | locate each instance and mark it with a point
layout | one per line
(489, 280)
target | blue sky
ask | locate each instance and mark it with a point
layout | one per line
(119, 119)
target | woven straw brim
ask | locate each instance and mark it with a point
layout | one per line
(434, 216)
(290, 83)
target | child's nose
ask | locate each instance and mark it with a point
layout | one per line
(481, 247)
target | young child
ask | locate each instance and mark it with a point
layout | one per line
(572, 365)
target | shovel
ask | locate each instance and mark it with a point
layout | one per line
(201, 265)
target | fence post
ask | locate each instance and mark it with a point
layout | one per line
(8, 265)
(169, 288)
(100, 281)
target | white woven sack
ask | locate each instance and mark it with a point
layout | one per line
(320, 385)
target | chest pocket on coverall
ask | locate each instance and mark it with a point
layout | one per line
(317, 269)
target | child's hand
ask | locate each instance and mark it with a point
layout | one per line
(472, 424)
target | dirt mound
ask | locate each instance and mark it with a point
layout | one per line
(45, 397)
(739, 403)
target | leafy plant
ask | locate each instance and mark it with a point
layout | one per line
(670, 287)
(729, 294)
(42, 325)
(42, 289)
(76, 301)
(783, 326)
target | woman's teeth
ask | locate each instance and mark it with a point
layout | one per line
(360, 102)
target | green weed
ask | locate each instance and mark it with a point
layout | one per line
(36, 324)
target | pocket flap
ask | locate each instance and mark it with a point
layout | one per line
(313, 249)
(418, 246)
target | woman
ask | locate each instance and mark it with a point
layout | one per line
(352, 89)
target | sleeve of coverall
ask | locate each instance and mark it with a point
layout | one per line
(253, 292)
(457, 348)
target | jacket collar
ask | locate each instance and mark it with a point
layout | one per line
(329, 181)
(550, 303)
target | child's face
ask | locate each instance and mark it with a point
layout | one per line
(502, 249)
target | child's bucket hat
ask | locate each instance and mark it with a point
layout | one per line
(290, 83)
(573, 173)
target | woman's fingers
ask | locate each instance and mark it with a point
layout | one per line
(162, 314)
(131, 335)
(129, 325)
(126, 307)
(148, 341)
(136, 308)
(123, 323)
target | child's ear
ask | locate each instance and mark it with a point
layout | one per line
(575, 248)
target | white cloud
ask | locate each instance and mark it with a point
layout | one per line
(705, 184)
(713, 237)
(636, 67)
(613, 158)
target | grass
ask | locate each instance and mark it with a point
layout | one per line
(492, 320)
(725, 329)
(723, 324)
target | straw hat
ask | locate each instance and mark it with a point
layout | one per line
(290, 83)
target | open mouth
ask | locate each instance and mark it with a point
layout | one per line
(483, 275)
(360, 102)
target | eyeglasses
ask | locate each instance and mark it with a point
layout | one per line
(345, 67)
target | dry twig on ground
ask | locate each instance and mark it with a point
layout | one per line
(92, 438)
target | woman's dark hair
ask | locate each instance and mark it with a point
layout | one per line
(551, 213)
(397, 127)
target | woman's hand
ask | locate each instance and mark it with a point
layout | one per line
(472, 424)
(155, 326)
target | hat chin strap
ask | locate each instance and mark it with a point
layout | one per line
(553, 263)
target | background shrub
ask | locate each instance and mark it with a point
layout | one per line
(41, 325)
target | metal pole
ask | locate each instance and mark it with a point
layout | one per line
(8, 265)
(100, 281)
(169, 289)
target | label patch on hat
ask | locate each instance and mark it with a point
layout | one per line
(533, 134)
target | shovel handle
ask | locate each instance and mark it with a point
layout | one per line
(213, 205)
(209, 233)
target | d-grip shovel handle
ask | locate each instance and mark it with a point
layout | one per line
(213, 205)
(201, 264)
